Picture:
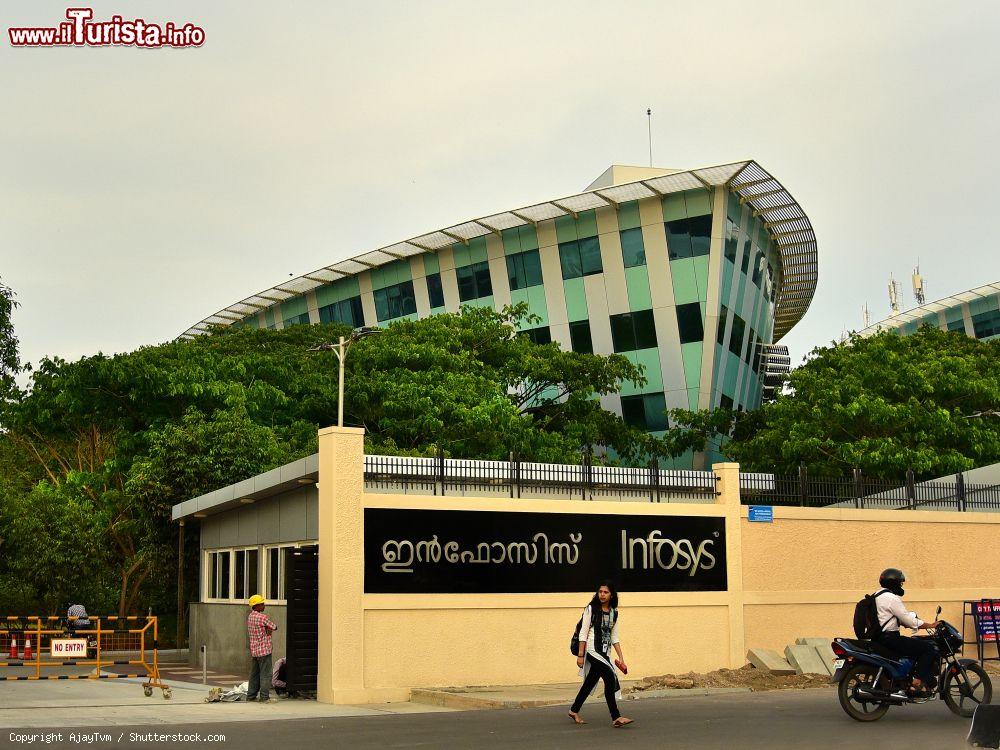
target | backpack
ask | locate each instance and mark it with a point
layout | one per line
(574, 641)
(866, 624)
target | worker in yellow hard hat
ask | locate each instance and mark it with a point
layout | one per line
(259, 628)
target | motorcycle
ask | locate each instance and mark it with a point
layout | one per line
(871, 679)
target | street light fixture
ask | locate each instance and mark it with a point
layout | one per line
(340, 349)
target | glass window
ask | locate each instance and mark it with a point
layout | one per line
(758, 268)
(395, 301)
(725, 402)
(736, 338)
(348, 311)
(579, 336)
(689, 322)
(678, 239)
(631, 331)
(524, 270)
(223, 573)
(245, 568)
(275, 571)
(633, 251)
(689, 238)
(647, 412)
(540, 335)
(986, 324)
(297, 320)
(580, 257)
(732, 240)
(745, 261)
(957, 325)
(723, 314)
(474, 281)
(435, 293)
(590, 256)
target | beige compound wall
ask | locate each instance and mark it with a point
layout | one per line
(803, 574)
(798, 576)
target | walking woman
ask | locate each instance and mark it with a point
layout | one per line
(598, 633)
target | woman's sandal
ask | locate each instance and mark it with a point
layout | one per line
(576, 718)
(621, 721)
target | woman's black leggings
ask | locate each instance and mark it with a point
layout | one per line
(598, 671)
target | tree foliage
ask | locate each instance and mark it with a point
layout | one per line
(95, 452)
(10, 363)
(882, 404)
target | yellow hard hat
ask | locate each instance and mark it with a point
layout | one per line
(255, 600)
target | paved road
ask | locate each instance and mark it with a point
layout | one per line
(755, 721)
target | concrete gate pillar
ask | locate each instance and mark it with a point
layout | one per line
(729, 498)
(340, 668)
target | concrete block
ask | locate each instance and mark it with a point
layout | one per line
(823, 647)
(770, 661)
(806, 660)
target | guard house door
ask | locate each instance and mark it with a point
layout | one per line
(302, 596)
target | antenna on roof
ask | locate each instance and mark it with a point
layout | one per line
(894, 295)
(865, 315)
(649, 128)
(918, 284)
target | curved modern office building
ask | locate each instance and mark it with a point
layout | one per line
(976, 313)
(690, 273)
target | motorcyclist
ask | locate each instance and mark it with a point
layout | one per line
(892, 613)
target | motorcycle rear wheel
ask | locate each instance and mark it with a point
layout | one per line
(963, 698)
(861, 675)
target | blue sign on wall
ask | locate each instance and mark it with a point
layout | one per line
(762, 513)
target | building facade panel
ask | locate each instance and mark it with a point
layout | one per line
(684, 283)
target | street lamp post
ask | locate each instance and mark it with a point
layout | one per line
(340, 349)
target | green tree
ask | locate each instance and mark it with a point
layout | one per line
(10, 363)
(113, 442)
(883, 404)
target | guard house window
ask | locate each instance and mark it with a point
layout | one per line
(348, 311)
(689, 323)
(579, 336)
(540, 335)
(276, 562)
(395, 301)
(218, 574)
(474, 281)
(580, 258)
(632, 331)
(689, 238)
(633, 251)
(647, 412)
(246, 567)
(736, 338)
(435, 293)
(524, 270)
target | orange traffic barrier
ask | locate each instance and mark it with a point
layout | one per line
(49, 646)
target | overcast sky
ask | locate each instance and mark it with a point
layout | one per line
(143, 190)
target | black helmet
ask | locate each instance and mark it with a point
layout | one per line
(892, 579)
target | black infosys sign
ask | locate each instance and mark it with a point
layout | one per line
(485, 552)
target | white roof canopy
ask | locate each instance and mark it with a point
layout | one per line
(784, 219)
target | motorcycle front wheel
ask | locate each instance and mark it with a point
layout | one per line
(964, 696)
(858, 677)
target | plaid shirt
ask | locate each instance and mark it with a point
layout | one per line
(259, 629)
